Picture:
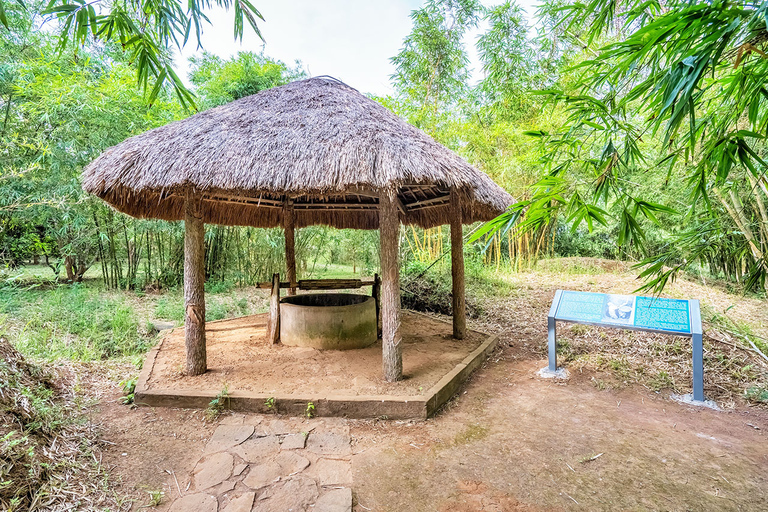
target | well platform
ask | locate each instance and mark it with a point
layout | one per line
(262, 377)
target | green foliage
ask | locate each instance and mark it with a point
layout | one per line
(757, 394)
(220, 81)
(73, 322)
(432, 66)
(663, 107)
(129, 387)
(662, 380)
(217, 405)
(429, 289)
(508, 61)
(147, 32)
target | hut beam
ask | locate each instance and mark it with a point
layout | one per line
(290, 243)
(389, 233)
(457, 267)
(194, 281)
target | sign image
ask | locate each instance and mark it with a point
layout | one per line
(619, 309)
(670, 316)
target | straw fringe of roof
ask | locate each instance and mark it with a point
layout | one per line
(233, 214)
(314, 137)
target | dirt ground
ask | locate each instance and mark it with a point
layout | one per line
(240, 357)
(511, 441)
(514, 442)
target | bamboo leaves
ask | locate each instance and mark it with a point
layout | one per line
(148, 30)
(4, 15)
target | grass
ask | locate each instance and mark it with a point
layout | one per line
(220, 303)
(471, 433)
(71, 322)
(85, 322)
(757, 394)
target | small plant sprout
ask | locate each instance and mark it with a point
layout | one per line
(155, 497)
(216, 406)
(269, 403)
(310, 411)
(129, 387)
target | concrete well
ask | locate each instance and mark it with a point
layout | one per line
(335, 321)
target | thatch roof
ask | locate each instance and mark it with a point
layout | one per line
(318, 142)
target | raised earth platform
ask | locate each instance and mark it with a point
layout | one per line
(262, 377)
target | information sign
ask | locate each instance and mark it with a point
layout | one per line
(656, 314)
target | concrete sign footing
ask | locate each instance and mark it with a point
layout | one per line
(688, 399)
(546, 373)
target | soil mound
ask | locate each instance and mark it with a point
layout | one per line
(42, 447)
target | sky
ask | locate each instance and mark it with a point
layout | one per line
(352, 40)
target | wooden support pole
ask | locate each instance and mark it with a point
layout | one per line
(457, 267)
(376, 293)
(389, 233)
(273, 334)
(194, 282)
(290, 243)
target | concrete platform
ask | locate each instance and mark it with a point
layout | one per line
(265, 378)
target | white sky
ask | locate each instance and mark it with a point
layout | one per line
(352, 40)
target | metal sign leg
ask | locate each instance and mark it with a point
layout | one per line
(698, 367)
(552, 340)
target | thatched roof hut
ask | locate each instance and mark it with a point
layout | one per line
(317, 141)
(310, 152)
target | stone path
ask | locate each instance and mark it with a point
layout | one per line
(261, 464)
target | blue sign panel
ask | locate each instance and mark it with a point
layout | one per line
(670, 315)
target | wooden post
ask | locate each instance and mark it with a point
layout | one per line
(376, 293)
(457, 267)
(273, 334)
(389, 233)
(194, 282)
(290, 244)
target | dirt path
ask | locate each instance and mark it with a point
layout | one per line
(516, 442)
(510, 442)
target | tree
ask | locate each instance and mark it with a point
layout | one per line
(60, 112)
(508, 60)
(218, 81)
(432, 65)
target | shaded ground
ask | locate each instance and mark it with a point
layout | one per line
(240, 357)
(604, 440)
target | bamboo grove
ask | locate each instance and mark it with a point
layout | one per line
(600, 161)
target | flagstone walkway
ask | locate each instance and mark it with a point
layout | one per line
(260, 464)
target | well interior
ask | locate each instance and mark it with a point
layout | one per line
(325, 299)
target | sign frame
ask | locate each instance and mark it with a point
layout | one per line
(695, 333)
